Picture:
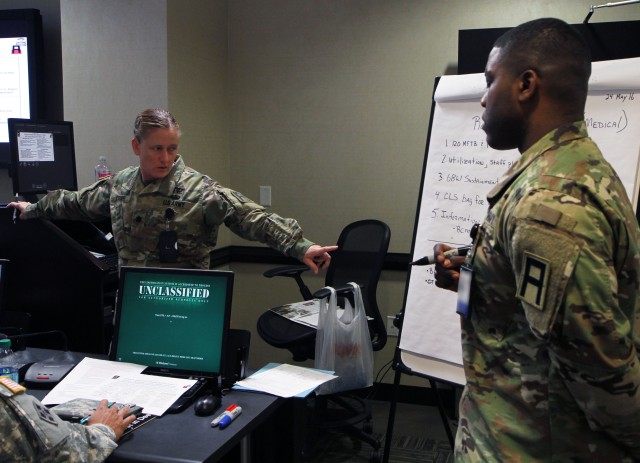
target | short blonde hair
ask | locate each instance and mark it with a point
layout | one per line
(153, 118)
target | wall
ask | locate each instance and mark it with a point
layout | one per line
(330, 100)
(114, 64)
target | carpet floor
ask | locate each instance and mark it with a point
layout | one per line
(338, 448)
(419, 436)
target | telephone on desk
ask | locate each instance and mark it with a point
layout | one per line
(48, 372)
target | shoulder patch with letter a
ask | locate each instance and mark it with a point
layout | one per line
(532, 287)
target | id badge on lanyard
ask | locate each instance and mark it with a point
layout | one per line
(463, 307)
(168, 240)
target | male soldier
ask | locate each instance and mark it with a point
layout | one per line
(550, 345)
(164, 213)
(32, 432)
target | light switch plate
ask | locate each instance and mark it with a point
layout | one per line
(265, 196)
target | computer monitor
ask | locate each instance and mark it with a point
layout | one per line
(42, 156)
(21, 70)
(174, 321)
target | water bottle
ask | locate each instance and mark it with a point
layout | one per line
(102, 169)
(8, 365)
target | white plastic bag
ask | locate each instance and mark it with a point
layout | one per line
(343, 344)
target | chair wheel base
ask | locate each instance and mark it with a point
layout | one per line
(376, 456)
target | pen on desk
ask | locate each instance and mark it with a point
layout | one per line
(88, 417)
(455, 252)
(226, 417)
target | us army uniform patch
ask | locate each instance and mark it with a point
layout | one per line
(544, 259)
(532, 286)
(44, 413)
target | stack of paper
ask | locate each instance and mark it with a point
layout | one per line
(285, 380)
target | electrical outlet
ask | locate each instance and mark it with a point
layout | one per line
(391, 329)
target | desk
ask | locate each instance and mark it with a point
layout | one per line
(184, 437)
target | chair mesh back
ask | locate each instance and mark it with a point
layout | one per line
(362, 249)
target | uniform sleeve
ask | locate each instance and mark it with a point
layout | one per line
(88, 443)
(571, 283)
(90, 203)
(250, 221)
(35, 433)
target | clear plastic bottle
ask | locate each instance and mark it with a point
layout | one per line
(102, 169)
(8, 366)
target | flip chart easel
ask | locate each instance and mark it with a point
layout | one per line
(459, 170)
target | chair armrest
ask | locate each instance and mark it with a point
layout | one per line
(288, 271)
(295, 272)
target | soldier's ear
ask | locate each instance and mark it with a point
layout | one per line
(136, 146)
(528, 84)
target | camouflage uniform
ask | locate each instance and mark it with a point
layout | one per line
(33, 433)
(185, 202)
(551, 344)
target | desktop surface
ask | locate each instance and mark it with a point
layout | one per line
(185, 437)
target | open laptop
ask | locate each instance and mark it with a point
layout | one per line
(176, 322)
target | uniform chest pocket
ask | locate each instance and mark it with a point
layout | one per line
(151, 226)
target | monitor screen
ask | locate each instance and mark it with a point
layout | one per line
(20, 70)
(174, 321)
(42, 156)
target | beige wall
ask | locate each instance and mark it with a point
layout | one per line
(326, 101)
(330, 99)
(111, 70)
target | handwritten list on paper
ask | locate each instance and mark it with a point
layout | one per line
(461, 169)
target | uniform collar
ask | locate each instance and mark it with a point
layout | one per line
(164, 186)
(551, 140)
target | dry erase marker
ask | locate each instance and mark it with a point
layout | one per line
(229, 417)
(226, 417)
(428, 260)
(217, 419)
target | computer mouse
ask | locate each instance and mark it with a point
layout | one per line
(206, 405)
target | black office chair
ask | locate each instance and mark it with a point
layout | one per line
(362, 249)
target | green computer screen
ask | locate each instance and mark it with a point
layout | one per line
(173, 320)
